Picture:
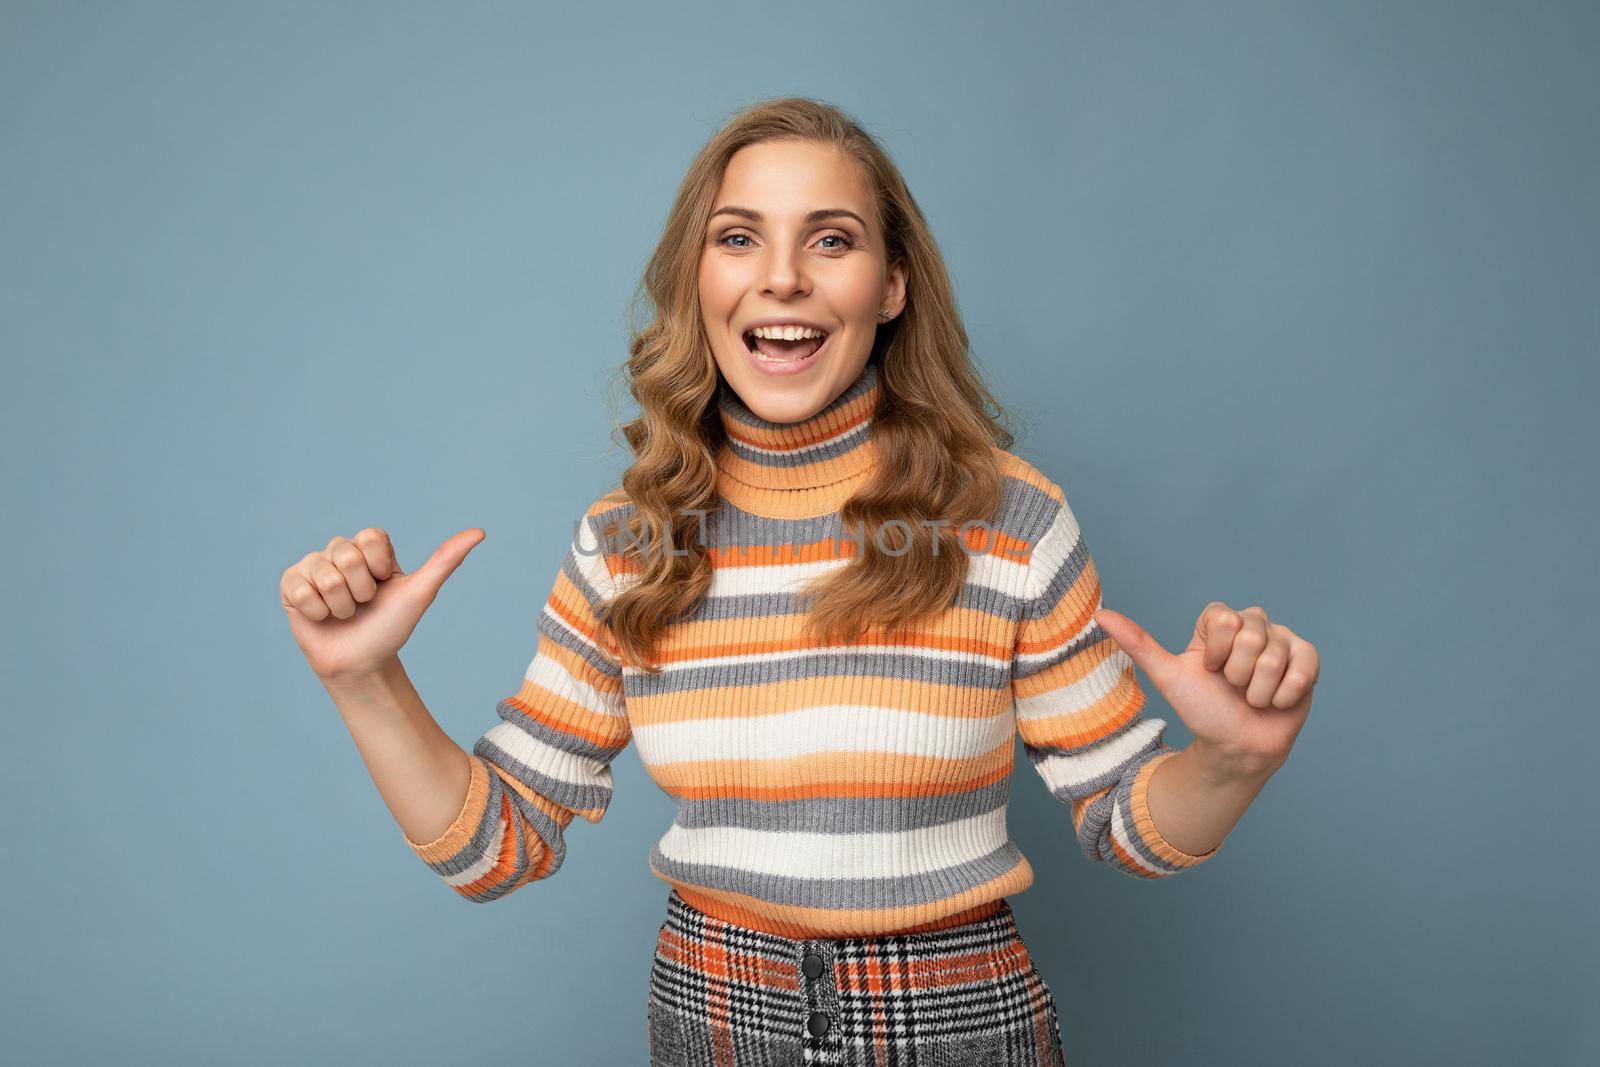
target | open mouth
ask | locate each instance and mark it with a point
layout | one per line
(775, 350)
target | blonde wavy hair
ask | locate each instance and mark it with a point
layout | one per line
(937, 427)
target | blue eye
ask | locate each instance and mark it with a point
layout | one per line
(847, 242)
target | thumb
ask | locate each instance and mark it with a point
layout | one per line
(445, 559)
(1146, 652)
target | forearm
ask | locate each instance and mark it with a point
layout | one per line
(420, 772)
(1195, 799)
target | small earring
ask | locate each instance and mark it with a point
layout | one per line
(884, 316)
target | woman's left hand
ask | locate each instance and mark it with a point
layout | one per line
(1243, 686)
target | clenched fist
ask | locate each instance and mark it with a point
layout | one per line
(350, 606)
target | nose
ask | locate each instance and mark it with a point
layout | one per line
(782, 276)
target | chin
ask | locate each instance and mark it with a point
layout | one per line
(776, 403)
(794, 399)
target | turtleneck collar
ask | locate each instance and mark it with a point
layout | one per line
(805, 468)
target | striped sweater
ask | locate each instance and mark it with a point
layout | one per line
(822, 791)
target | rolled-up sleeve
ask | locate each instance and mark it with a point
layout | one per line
(1078, 709)
(547, 761)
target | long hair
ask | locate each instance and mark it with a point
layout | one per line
(937, 426)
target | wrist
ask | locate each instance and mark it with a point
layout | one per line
(1220, 767)
(364, 682)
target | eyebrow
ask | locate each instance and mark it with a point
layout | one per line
(813, 216)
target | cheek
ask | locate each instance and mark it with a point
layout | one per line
(855, 293)
(719, 286)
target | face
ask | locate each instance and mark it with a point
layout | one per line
(794, 235)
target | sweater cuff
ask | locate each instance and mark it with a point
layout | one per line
(465, 825)
(1139, 811)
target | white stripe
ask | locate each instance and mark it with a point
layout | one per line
(854, 431)
(842, 855)
(1070, 773)
(1120, 835)
(729, 579)
(591, 563)
(1053, 549)
(823, 728)
(930, 655)
(1030, 658)
(490, 856)
(579, 635)
(548, 760)
(1077, 695)
(992, 572)
(547, 672)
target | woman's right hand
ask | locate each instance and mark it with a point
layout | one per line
(350, 606)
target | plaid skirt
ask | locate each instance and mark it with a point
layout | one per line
(727, 996)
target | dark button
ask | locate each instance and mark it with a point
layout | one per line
(817, 1024)
(811, 965)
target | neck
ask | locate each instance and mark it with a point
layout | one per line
(809, 467)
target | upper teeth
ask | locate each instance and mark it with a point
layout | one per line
(786, 333)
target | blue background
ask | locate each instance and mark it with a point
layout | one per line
(1298, 302)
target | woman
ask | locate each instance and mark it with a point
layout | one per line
(822, 603)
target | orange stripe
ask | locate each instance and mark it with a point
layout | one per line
(1074, 668)
(558, 713)
(787, 439)
(1070, 617)
(505, 860)
(879, 975)
(1088, 725)
(717, 1007)
(1127, 860)
(569, 604)
(913, 640)
(951, 629)
(558, 813)
(835, 774)
(791, 921)
(754, 968)
(1014, 466)
(946, 700)
(740, 699)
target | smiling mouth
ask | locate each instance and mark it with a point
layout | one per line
(769, 350)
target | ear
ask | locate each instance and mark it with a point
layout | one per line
(894, 297)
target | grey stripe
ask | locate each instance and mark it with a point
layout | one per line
(556, 738)
(1060, 654)
(1094, 834)
(1036, 755)
(842, 815)
(844, 892)
(1021, 515)
(1124, 793)
(1025, 510)
(570, 567)
(483, 838)
(849, 663)
(551, 626)
(564, 793)
(1024, 513)
(851, 441)
(731, 526)
(482, 835)
(1060, 583)
(971, 596)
